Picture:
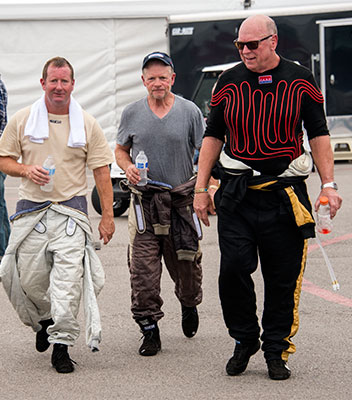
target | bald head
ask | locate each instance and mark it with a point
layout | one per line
(262, 30)
(258, 24)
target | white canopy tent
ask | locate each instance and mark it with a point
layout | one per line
(105, 41)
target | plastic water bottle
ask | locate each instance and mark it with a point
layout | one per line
(142, 165)
(49, 165)
(324, 223)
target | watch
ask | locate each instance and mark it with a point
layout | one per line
(332, 185)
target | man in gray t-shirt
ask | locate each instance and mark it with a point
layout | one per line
(169, 142)
(168, 129)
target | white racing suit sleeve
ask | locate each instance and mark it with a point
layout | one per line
(9, 274)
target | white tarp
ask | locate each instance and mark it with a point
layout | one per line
(105, 41)
(105, 53)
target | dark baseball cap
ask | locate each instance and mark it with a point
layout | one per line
(158, 55)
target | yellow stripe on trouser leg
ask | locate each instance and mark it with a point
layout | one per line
(297, 293)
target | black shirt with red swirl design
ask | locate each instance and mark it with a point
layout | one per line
(260, 116)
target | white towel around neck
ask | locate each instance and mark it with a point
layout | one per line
(37, 126)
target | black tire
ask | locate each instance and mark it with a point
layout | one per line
(119, 205)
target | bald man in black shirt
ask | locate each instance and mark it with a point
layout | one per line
(257, 109)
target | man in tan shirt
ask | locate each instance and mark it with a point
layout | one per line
(50, 258)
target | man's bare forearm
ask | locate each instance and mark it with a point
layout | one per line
(209, 154)
(323, 157)
(11, 167)
(105, 191)
(123, 158)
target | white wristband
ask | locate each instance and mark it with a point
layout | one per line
(332, 185)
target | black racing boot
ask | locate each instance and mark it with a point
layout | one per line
(190, 321)
(41, 340)
(239, 361)
(278, 369)
(151, 337)
(61, 360)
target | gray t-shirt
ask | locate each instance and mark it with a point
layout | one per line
(168, 142)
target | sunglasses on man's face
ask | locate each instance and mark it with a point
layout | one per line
(252, 45)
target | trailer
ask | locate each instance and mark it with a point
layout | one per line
(318, 37)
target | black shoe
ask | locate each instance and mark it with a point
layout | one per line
(239, 361)
(151, 338)
(41, 340)
(61, 360)
(278, 370)
(190, 321)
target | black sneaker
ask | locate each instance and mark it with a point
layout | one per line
(190, 321)
(151, 338)
(278, 370)
(41, 340)
(61, 360)
(239, 361)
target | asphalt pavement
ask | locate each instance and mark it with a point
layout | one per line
(193, 368)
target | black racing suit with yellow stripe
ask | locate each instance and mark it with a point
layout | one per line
(259, 117)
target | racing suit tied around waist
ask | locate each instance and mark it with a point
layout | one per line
(292, 191)
(171, 212)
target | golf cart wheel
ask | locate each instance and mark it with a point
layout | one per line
(119, 205)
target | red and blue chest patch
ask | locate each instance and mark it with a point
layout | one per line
(265, 79)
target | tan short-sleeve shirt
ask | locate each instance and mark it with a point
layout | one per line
(70, 175)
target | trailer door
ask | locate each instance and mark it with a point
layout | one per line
(335, 65)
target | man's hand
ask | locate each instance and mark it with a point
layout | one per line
(132, 174)
(124, 161)
(203, 204)
(36, 174)
(106, 228)
(324, 161)
(335, 200)
(209, 153)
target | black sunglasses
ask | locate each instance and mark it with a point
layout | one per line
(252, 45)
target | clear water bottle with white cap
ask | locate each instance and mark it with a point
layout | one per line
(49, 165)
(142, 165)
(324, 223)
